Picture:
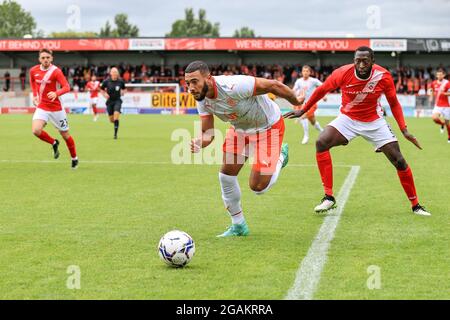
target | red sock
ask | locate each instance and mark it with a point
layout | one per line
(71, 146)
(448, 130)
(44, 136)
(407, 181)
(326, 171)
(439, 121)
(94, 110)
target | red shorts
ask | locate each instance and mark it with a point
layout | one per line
(264, 146)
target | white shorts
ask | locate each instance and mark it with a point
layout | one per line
(57, 118)
(378, 132)
(93, 100)
(444, 111)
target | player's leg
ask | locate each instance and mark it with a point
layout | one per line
(329, 138)
(384, 140)
(116, 123)
(70, 143)
(233, 160)
(447, 124)
(314, 122)
(94, 111)
(40, 119)
(271, 155)
(436, 117)
(59, 120)
(231, 194)
(261, 182)
(446, 115)
(110, 109)
(116, 115)
(305, 125)
(392, 152)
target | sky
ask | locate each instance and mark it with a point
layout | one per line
(276, 18)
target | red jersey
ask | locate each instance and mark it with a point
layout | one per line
(439, 88)
(360, 98)
(93, 87)
(44, 81)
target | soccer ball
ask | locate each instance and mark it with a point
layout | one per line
(176, 248)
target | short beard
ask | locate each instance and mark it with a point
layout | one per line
(203, 93)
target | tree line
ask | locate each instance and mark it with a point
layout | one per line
(16, 22)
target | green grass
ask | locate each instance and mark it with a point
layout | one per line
(107, 218)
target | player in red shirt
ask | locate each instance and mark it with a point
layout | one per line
(93, 87)
(440, 88)
(43, 80)
(361, 83)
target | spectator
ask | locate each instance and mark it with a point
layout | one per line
(126, 76)
(23, 78)
(7, 77)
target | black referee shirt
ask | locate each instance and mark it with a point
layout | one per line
(113, 88)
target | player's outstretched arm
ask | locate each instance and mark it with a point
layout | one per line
(263, 86)
(397, 111)
(207, 134)
(410, 137)
(318, 94)
(329, 85)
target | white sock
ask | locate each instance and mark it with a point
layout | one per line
(275, 175)
(317, 126)
(305, 124)
(231, 195)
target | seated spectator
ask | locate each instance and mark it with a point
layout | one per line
(7, 77)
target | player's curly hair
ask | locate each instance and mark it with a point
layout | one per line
(197, 65)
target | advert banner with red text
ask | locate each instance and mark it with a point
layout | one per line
(183, 44)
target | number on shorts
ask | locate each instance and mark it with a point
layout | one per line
(63, 123)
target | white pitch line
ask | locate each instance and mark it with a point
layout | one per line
(87, 161)
(308, 274)
(145, 162)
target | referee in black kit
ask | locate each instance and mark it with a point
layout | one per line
(113, 88)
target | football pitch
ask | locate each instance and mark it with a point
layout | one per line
(106, 218)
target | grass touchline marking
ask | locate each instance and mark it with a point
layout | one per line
(308, 274)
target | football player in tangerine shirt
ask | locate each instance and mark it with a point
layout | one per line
(361, 83)
(257, 128)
